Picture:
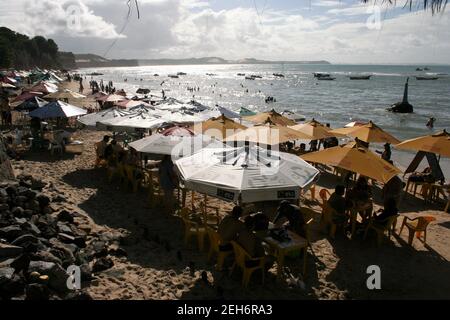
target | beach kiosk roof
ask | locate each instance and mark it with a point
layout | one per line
(369, 132)
(219, 127)
(246, 174)
(57, 109)
(355, 159)
(438, 143)
(65, 94)
(91, 119)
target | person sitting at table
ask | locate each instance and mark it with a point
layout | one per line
(252, 244)
(338, 203)
(230, 226)
(393, 189)
(361, 197)
(293, 214)
(390, 209)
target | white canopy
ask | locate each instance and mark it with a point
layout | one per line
(57, 109)
(176, 146)
(248, 174)
(91, 119)
(132, 121)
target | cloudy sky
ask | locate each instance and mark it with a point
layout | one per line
(340, 31)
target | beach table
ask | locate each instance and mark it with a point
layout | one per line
(281, 249)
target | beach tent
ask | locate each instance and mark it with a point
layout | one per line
(244, 112)
(133, 121)
(110, 98)
(65, 94)
(180, 117)
(368, 133)
(268, 134)
(91, 119)
(315, 130)
(130, 103)
(175, 145)
(178, 132)
(27, 95)
(57, 109)
(438, 143)
(30, 104)
(356, 159)
(45, 87)
(219, 127)
(246, 174)
(270, 116)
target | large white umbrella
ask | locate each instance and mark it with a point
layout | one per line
(247, 174)
(57, 109)
(132, 121)
(175, 145)
(91, 119)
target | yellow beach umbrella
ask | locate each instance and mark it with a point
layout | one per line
(315, 129)
(438, 143)
(355, 159)
(219, 127)
(270, 116)
(269, 134)
(368, 133)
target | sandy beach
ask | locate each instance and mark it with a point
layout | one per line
(159, 266)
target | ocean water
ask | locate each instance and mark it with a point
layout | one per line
(336, 102)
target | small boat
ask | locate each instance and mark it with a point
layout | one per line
(319, 74)
(404, 106)
(181, 74)
(426, 69)
(95, 74)
(360, 77)
(256, 77)
(249, 78)
(156, 75)
(326, 78)
(241, 74)
(174, 76)
(427, 78)
(419, 69)
(279, 75)
(143, 91)
(211, 74)
(293, 115)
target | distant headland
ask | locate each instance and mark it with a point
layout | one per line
(95, 61)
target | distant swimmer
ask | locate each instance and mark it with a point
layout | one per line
(430, 123)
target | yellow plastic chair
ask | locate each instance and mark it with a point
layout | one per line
(418, 226)
(381, 227)
(192, 228)
(210, 220)
(240, 259)
(214, 248)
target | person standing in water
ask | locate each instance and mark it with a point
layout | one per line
(430, 123)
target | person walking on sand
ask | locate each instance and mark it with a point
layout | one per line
(168, 181)
(81, 85)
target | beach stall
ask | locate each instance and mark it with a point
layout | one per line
(369, 133)
(133, 122)
(246, 174)
(29, 105)
(57, 109)
(429, 146)
(27, 95)
(45, 87)
(65, 95)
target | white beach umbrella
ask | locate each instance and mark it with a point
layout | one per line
(57, 109)
(133, 121)
(247, 174)
(91, 119)
(175, 145)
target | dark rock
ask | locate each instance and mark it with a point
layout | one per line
(57, 275)
(11, 232)
(37, 184)
(102, 264)
(37, 291)
(20, 221)
(21, 263)
(86, 272)
(4, 207)
(43, 200)
(66, 238)
(10, 283)
(17, 212)
(64, 228)
(79, 295)
(32, 228)
(117, 251)
(59, 198)
(46, 256)
(65, 216)
(99, 248)
(23, 239)
(11, 190)
(9, 251)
